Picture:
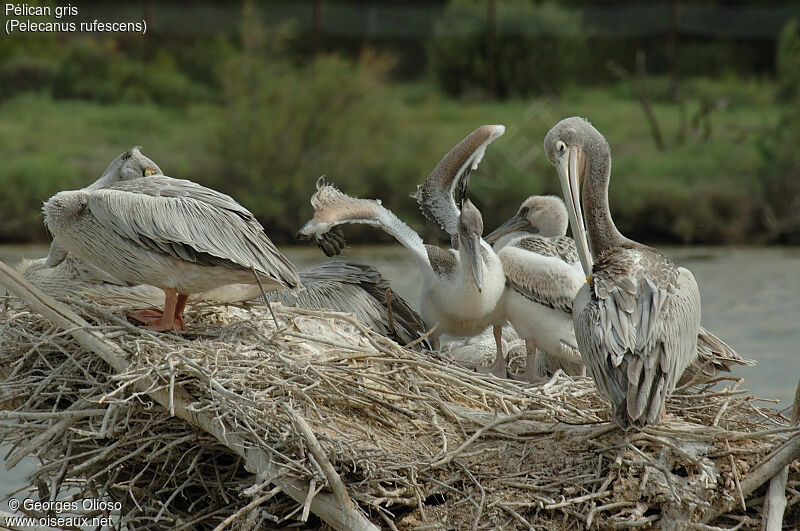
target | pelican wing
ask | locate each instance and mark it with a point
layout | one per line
(74, 278)
(436, 196)
(190, 222)
(545, 270)
(637, 329)
(713, 356)
(359, 289)
(333, 208)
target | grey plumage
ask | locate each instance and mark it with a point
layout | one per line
(637, 320)
(462, 284)
(637, 334)
(170, 233)
(542, 277)
(361, 290)
(151, 219)
(713, 356)
(126, 166)
(448, 181)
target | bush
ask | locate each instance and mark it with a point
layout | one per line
(780, 171)
(285, 125)
(24, 73)
(94, 69)
(788, 59)
(531, 57)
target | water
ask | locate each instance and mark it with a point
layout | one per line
(751, 299)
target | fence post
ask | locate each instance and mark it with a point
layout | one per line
(491, 49)
(316, 26)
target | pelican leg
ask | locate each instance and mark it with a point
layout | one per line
(530, 362)
(179, 307)
(498, 367)
(167, 319)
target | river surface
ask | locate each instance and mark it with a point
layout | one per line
(751, 299)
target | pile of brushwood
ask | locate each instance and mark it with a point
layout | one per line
(239, 423)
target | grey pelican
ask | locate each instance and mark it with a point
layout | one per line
(532, 245)
(460, 288)
(637, 317)
(129, 165)
(170, 233)
(462, 285)
(340, 286)
(543, 275)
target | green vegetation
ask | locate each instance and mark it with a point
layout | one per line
(526, 64)
(309, 122)
(253, 117)
(780, 159)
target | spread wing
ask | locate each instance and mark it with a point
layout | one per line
(333, 208)
(544, 270)
(190, 222)
(437, 194)
(637, 330)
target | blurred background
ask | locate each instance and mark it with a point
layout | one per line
(699, 100)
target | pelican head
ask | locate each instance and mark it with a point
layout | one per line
(569, 146)
(539, 214)
(470, 229)
(130, 165)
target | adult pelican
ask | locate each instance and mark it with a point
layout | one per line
(462, 285)
(637, 317)
(170, 233)
(129, 165)
(543, 275)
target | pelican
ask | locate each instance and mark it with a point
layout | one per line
(543, 218)
(637, 318)
(340, 286)
(129, 165)
(460, 288)
(543, 275)
(462, 285)
(169, 233)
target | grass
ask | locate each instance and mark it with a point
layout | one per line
(51, 145)
(700, 191)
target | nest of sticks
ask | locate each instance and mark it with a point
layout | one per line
(319, 421)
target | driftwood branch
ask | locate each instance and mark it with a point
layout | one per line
(763, 472)
(327, 506)
(775, 502)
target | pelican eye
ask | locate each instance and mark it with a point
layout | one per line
(561, 146)
(148, 172)
(523, 212)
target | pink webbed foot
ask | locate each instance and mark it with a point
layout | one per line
(153, 319)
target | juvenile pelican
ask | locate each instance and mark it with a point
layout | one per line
(170, 233)
(543, 275)
(462, 285)
(637, 318)
(460, 288)
(554, 277)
